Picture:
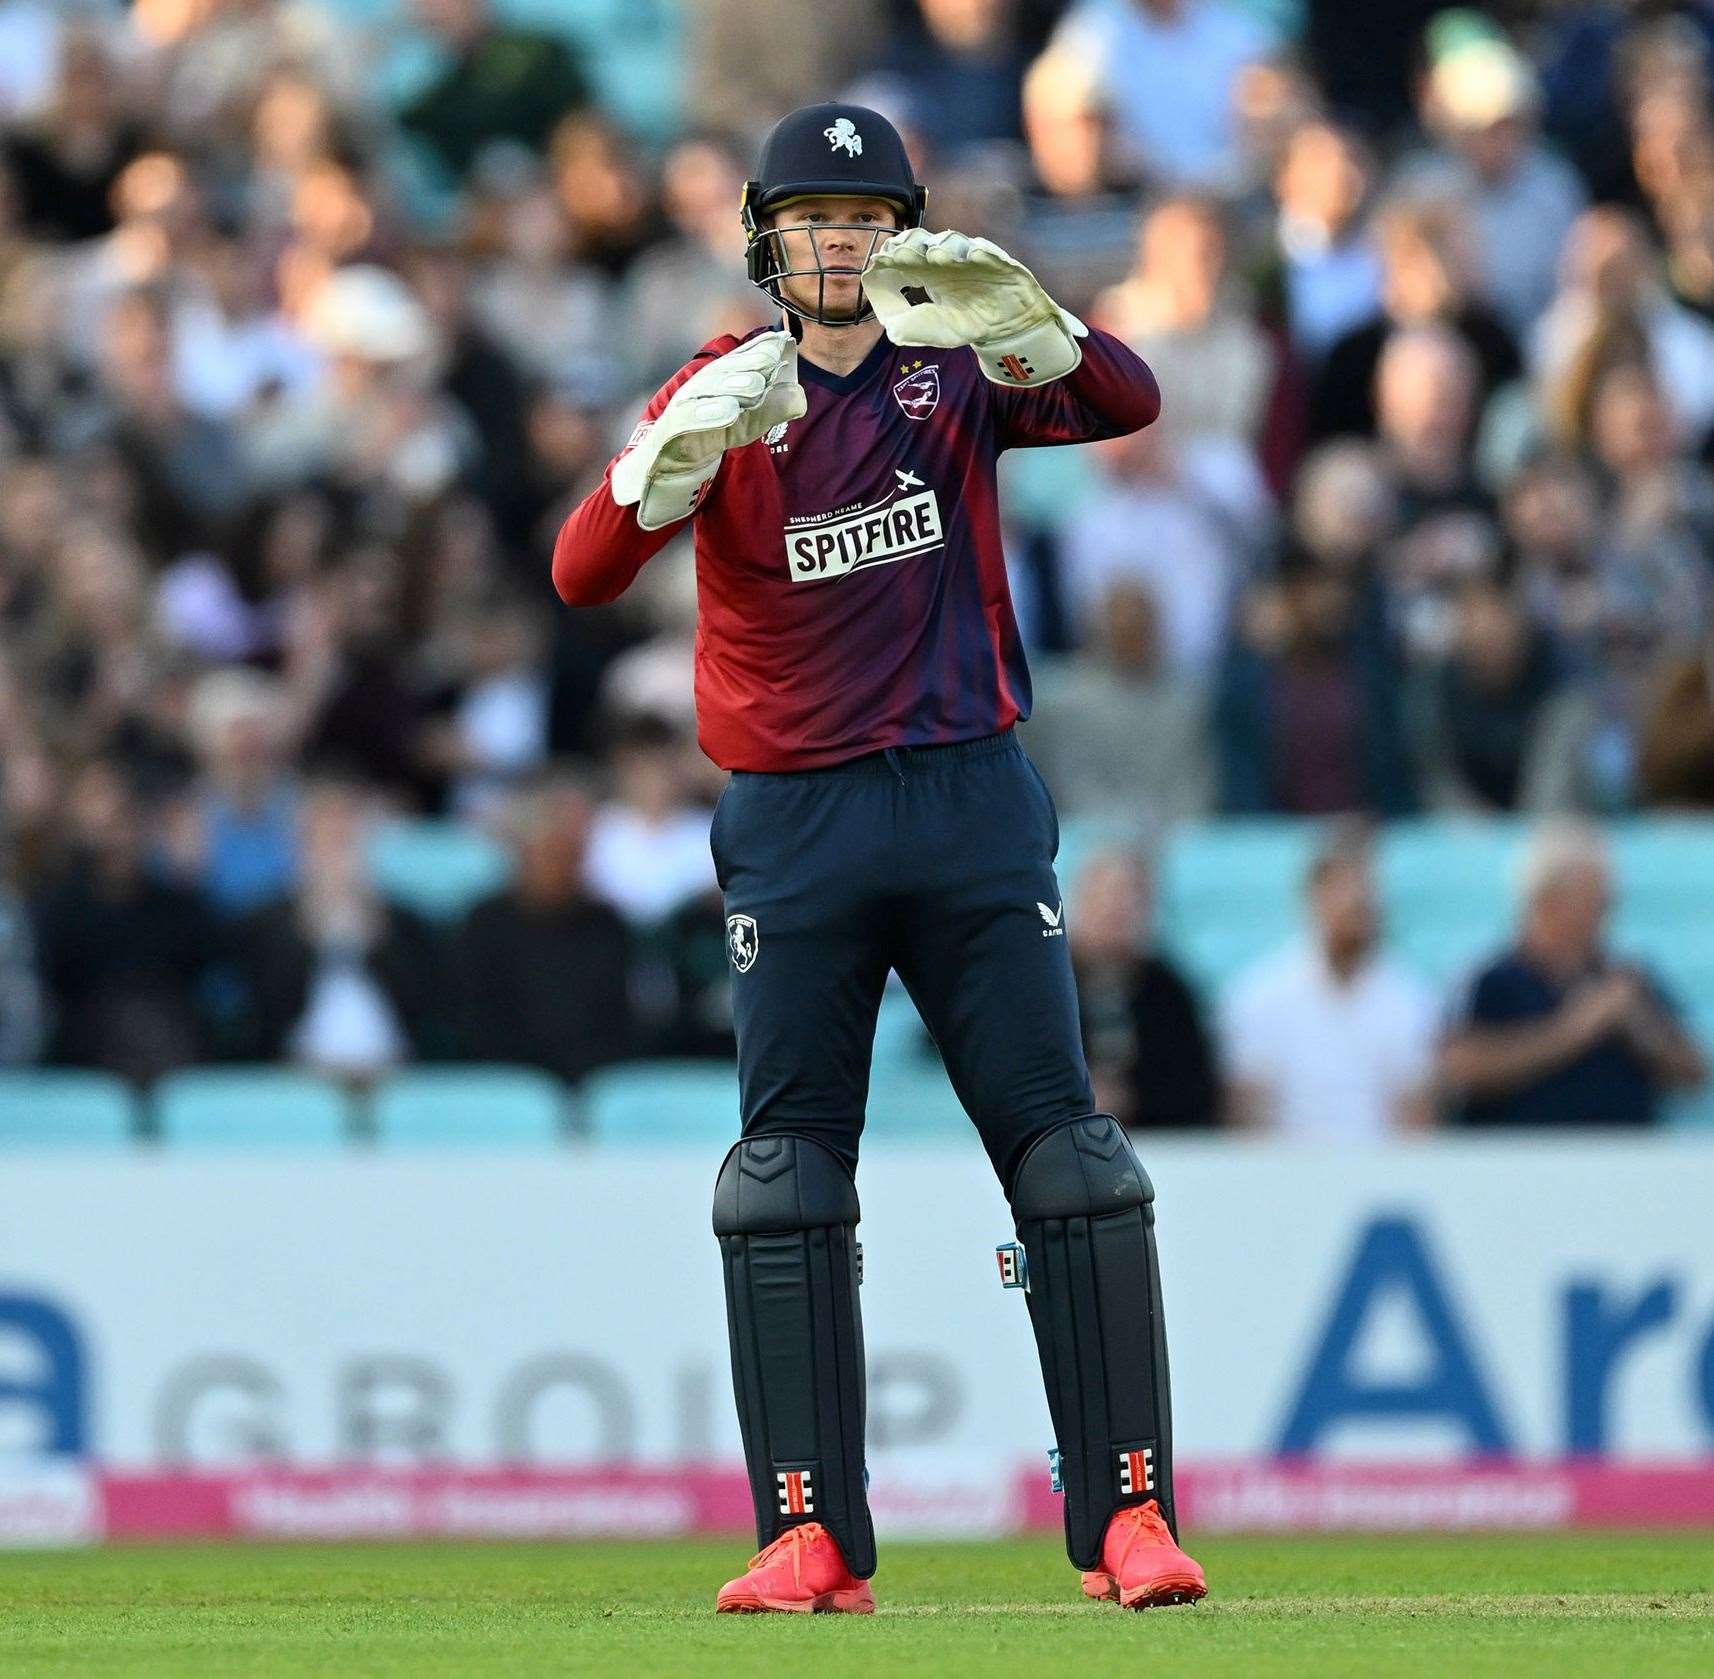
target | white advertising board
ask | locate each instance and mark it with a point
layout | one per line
(1415, 1304)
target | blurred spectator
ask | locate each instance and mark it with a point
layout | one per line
(336, 978)
(1427, 385)
(693, 287)
(500, 81)
(476, 370)
(1481, 99)
(231, 348)
(1111, 730)
(1071, 136)
(188, 465)
(757, 59)
(1166, 72)
(1330, 1038)
(375, 422)
(1611, 307)
(64, 164)
(246, 815)
(1346, 509)
(648, 847)
(552, 316)
(124, 953)
(201, 62)
(961, 67)
(603, 194)
(1552, 523)
(497, 731)
(1308, 720)
(1425, 282)
(1500, 729)
(1677, 746)
(361, 713)
(1660, 505)
(1322, 264)
(545, 968)
(693, 945)
(1600, 61)
(1367, 58)
(1150, 1058)
(1556, 1031)
(1176, 309)
(1690, 246)
(1150, 523)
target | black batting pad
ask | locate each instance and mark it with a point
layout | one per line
(1085, 1214)
(785, 1211)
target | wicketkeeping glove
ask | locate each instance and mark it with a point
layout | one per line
(732, 401)
(944, 289)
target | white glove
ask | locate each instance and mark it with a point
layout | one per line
(977, 295)
(735, 399)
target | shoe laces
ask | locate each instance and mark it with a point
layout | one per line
(1145, 1521)
(793, 1542)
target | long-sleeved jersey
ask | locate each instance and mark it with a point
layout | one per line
(851, 587)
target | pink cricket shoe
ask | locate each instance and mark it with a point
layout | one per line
(1141, 1564)
(802, 1573)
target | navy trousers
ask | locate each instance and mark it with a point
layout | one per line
(936, 862)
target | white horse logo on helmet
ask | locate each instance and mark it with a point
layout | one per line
(843, 133)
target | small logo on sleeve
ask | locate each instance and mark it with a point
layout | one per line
(1053, 919)
(796, 1492)
(743, 942)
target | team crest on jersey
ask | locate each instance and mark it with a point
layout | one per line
(918, 392)
(843, 132)
(743, 942)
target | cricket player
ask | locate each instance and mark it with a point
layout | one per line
(859, 671)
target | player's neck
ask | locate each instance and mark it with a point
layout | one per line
(838, 349)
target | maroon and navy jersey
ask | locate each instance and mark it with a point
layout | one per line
(851, 589)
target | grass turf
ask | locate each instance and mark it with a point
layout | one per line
(1466, 1607)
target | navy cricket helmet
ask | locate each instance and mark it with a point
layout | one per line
(824, 151)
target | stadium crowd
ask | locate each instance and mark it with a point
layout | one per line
(315, 318)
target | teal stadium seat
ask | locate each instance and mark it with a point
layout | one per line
(678, 1102)
(1446, 873)
(1697, 1109)
(915, 1107)
(649, 1102)
(251, 1107)
(437, 869)
(1229, 893)
(901, 1045)
(469, 1107)
(69, 1109)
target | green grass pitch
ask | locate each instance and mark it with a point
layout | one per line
(1456, 1608)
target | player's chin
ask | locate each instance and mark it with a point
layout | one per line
(839, 297)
